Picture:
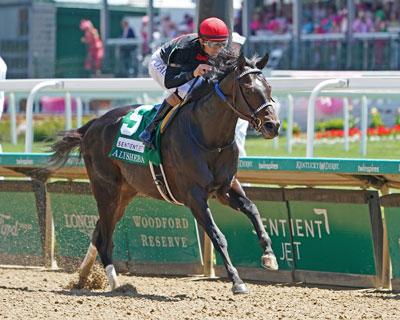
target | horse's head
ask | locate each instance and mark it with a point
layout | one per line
(250, 95)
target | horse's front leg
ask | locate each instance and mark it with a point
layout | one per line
(202, 213)
(236, 198)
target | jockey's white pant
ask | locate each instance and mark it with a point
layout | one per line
(157, 69)
(240, 136)
(3, 71)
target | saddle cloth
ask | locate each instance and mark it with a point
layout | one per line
(127, 145)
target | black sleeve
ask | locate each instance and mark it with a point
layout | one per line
(179, 69)
(176, 76)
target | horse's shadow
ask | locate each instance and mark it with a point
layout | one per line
(381, 294)
(130, 292)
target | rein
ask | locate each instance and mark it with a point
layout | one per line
(252, 118)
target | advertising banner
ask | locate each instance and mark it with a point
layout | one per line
(19, 229)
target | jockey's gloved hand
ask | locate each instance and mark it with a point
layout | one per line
(202, 69)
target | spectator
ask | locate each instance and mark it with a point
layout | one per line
(127, 30)
(308, 26)
(187, 25)
(393, 23)
(363, 23)
(237, 24)
(144, 33)
(168, 28)
(3, 71)
(256, 23)
(94, 46)
(127, 50)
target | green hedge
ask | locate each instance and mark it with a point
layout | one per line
(45, 129)
(332, 124)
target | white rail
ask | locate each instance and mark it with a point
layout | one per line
(359, 86)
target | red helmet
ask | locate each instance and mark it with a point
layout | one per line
(213, 29)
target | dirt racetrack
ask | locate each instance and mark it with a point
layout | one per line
(36, 294)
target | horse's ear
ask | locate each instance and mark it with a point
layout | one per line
(241, 62)
(262, 62)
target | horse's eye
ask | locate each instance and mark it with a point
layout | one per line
(248, 88)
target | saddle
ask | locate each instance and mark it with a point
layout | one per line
(176, 102)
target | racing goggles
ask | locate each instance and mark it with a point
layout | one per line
(215, 44)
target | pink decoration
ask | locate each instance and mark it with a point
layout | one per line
(56, 104)
(329, 105)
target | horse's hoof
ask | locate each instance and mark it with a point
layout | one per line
(269, 262)
(240, 289)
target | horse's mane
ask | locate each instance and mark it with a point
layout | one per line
(223, 64)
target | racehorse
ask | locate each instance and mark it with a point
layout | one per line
(199, 155)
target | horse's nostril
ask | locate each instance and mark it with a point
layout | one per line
(272, 125)
(269, 126)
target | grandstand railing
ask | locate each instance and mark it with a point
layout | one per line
(332, 51)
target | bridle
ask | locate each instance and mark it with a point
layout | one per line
(252, 118)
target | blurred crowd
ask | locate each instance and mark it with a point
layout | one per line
(324, 17)
(165, 28)
(318, 17)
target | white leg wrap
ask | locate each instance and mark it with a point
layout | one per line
(90, 257)
(112, 276)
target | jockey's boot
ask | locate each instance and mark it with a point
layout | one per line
(147, 136)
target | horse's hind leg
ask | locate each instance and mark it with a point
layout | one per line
(112, 195)
(87, 264)
(236, 198)
(112, 199)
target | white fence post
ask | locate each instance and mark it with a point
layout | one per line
(336, 83)
(346, 123)
(13, 118)
(364, 126)
(289, 128)
(68, 111)
(79, 112)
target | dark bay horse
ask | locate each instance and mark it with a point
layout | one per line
(200, 159)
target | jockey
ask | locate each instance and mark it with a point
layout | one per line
(177, 65)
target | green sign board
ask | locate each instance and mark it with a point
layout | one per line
(332, 237)
(160, 232)
(392, 219)
(150, 230)
(19, 229)
(243, 246)
(75, 218)
(329, 237)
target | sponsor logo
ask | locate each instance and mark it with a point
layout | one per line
(8, 228)
(162, 223)
(130, 144)
(368, 169)
(84, 223)
(24, 161)
(322, 165)
(300, 228)
(245, 164)
(269, 166)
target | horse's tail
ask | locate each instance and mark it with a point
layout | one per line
(71, 140)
